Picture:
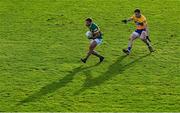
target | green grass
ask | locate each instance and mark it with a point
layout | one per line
(42, 41)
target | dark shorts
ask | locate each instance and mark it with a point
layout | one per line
(139, 31)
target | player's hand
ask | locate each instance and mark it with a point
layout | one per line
(124, 21)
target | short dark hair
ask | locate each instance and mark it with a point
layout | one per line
(137, 11)
(89, 19)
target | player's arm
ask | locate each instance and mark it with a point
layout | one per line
(96, 33)
(127, 20)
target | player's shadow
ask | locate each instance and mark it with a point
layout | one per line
(52, 87)
(113, 70)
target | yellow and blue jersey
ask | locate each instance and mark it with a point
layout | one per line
(140, 22)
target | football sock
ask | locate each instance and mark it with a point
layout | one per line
(129, 49)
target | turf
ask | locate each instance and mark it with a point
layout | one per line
(42, 41)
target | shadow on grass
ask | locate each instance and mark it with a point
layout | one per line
(113, 70)
(52, 87)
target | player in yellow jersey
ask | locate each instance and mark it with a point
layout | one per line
(141, 31)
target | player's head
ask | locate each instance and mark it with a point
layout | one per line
(88, 21)
(137, 13)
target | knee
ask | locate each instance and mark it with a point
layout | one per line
(142, 38)
(131, 38)
(90, 49)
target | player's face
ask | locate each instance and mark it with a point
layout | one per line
(138, 15)
(88, 23)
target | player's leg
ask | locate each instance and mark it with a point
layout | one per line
(91, 49)
(101, 58)
(133, 36)
(146, 41)
(98, 41)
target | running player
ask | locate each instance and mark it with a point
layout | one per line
(96, 40)
(141, 31)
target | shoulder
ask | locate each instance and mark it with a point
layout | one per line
(94, 25)
(143, 17)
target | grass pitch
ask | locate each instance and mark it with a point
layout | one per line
(42, 41)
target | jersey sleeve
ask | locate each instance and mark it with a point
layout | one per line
(132, 17)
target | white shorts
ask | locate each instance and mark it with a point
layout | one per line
(97, 40)
(136, 34)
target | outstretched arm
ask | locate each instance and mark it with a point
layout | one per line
(127, 20)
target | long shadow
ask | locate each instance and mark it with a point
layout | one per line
(52, 87)
(113, 70)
